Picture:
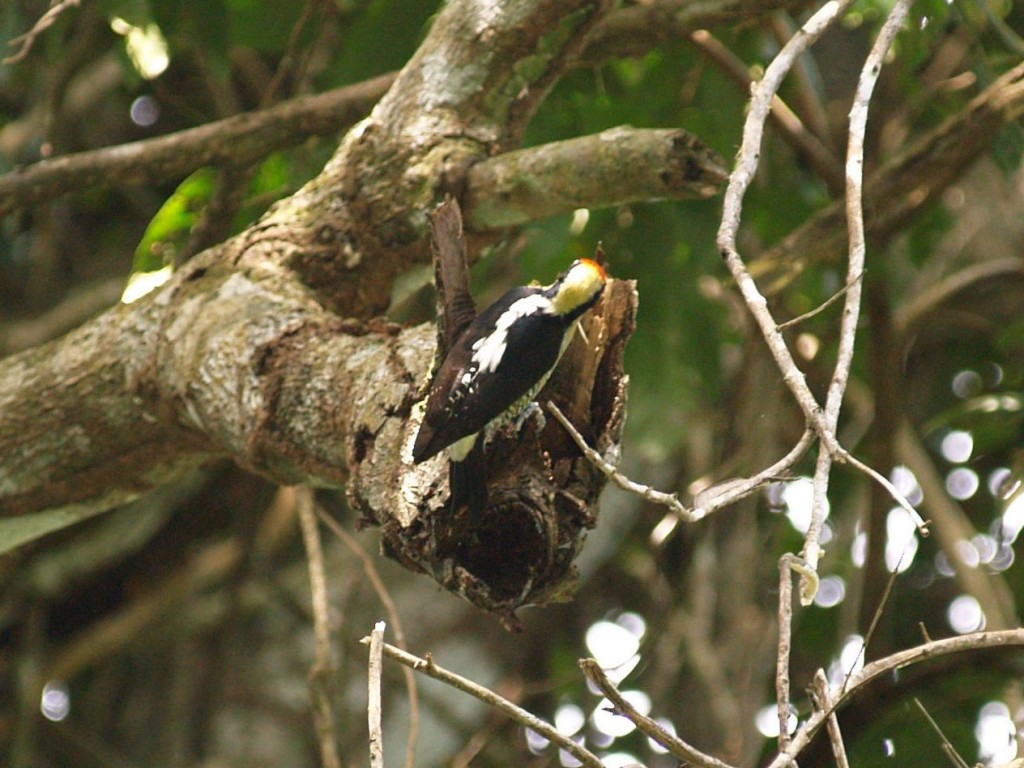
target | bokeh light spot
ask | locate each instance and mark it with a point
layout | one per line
(569, 718)
(900, 541)
(965, 615)
(957, 446)
(831, 592)
(967, 384)
(962, 483)
(55, 703)
(144, 111)
(996, 734)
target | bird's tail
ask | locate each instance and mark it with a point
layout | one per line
(468, 480)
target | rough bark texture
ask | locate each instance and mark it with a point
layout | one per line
(609, 168)
(204, 366)
(264, 349)
(219, 362)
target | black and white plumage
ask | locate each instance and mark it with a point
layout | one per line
(496, 366)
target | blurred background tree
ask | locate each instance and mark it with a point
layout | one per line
(176, 631)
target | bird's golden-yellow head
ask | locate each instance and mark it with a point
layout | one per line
(581, 284)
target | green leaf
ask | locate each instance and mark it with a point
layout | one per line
(172, 224)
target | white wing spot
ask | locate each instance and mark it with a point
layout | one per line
(488, 351)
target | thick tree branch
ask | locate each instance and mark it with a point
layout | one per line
(216, 363)
(249, 366)
(365, 214)
(617, 166)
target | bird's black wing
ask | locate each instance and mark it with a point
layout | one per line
(464, 398)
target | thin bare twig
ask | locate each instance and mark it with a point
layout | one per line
(851, 307)
(732, 209)
(373, 705)
(947, 745)
(899, 498)
(321, 676)
(428, 667)
(396, 625)
(785, 119)
(27, 40)
(669, 500)
(823, 700)
(709, 500)
(650, 728)
(875, 619)
(730, 491)
(784, 646)
(739, 182)
(820, 308)
(885, 666)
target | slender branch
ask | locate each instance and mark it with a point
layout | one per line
(788, 123)
(785, 644)
(746, 166)
(862, 653)
(391, 610)
(739, 182)
(730, 491)
(899, 498)
(650, 728)
(886, 666)
(855, 267)
(669, 500)
(808, 85)
(27, 40)
(905, 185)
(947, 745)
(709, 500)
(373, 707)
(637, 28)
(823, 701)
(321, 676)
(237, 140)
(918, 306)
(428, 667)
(820, 308)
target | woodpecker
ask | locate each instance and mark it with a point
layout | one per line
(496, 367)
